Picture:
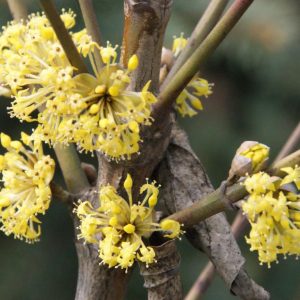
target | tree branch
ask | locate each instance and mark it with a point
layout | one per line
(162, 279)
(60, 193)
(144, 29)
(18, 9)
(70, 165)
(63, 35)
(92, 26)
(238, 227)
(214, 202)
(291, 144)
(206, 23)
(184, 181)
(170, 92)
(207, 275)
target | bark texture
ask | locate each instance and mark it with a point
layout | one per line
(145, 23)
(144, 27)
(162, 278)
(184, 181)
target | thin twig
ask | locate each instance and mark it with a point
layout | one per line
(92, 26)
(18, 9)
(63, 35)
(70, 164)
(291, 144)
(67, 156)
(190, 68)
(206, 23)
(238, 226)
(214, 203)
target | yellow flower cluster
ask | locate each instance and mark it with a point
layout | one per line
(94, 111)
(188, 102)
(119, 226)
(26, 174)
(273, 210)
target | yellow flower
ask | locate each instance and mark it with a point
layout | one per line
(293, 176)
(110, 115)
(26, 175)
(274, 215)
(94, 111)
(179, 43)
(121, 226)
(188, 102)
(259, 183)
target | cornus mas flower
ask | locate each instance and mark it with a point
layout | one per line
(188, 102)
(94, 111)
(111, 116)
(274, 214)
(26, 174)
(250, 157)
(179, 44)
(119, 227)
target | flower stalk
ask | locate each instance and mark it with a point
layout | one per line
(216, 201)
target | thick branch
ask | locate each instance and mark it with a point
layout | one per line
(190, 68)
(184, 181)
(205, 25)
(162, 278)
(207, 275)
(144, 28)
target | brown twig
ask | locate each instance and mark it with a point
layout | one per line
(63, 35)
(205, 25)
(170, 92)
(92, 26)
(18, 9)
(60, 193)
(291, 144)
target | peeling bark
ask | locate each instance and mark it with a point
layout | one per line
(144, 28)
(184, 181)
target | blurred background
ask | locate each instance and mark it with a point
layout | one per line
(256, 97)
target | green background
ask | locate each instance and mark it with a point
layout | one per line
(256, 97)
